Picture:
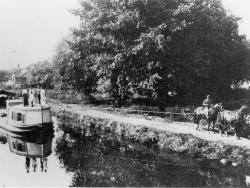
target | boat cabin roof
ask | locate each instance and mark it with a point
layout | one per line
(29, 108)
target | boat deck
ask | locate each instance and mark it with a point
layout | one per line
(29, 108)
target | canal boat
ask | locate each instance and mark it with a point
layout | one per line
(22, 119)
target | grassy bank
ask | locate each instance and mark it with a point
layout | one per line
(168, 136)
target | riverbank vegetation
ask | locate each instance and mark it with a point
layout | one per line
(168, 138)
(98, 157)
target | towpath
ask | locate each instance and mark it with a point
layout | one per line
(151, 122)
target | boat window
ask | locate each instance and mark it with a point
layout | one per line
(14, 116)
(21, 147)
(19, 117)
(23, 118)
(14, 145)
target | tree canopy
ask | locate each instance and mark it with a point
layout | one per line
(41, 73)
(162, 49)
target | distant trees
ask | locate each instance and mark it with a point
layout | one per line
(167, 50)
(42, 73)
(4, 76)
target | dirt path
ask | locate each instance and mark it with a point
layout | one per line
(176, 127)
(159, 124)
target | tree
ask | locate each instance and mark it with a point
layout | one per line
(73, 71)
(162, 49)
(214, 52)
(42, 73)
(4, 76)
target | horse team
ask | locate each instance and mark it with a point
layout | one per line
(224, 120)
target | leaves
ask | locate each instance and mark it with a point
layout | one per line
(42, 73)
(154, 48)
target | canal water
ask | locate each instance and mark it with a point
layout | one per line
(97, 157)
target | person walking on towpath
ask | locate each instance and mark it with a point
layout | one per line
(207, 103)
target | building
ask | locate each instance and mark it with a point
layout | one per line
(17, 78)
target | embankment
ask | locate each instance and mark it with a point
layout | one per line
(167, 135)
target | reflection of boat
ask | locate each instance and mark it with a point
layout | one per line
(23, 119)
(38, 136)
(33, 145)
(38, 146)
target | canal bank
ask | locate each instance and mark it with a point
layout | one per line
(171, 136)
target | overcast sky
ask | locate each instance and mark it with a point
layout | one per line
(31, 29)
(240, 8)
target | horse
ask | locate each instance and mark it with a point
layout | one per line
(211, 117)
(227, 119)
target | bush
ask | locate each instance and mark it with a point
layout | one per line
(236, 104)
(8, 87)
(51, 94)
(143, 107)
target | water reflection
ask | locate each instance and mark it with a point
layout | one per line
(28, 160)
(3, 138)
(98, 157)
(34, 146)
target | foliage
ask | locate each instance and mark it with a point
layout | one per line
(41, 73)
(4, 76)
(171, 51)
(73, 71)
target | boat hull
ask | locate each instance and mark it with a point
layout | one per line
(26, 130)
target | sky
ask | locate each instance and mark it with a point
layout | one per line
(31, 29)
(240, 8)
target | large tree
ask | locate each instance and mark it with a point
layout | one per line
(163, 49)
(74, 69)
